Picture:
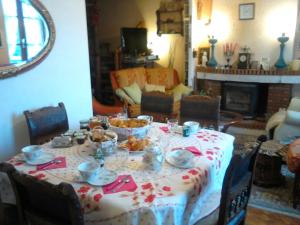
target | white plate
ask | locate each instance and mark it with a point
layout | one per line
(180, 158)
(103, 177)
(43, 158)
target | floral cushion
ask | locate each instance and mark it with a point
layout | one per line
(162, 76)
(134, 92)
(127, 77)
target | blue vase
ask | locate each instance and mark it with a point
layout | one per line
(212, 62)
(280, 63)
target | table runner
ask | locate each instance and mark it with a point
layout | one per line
(170, 196)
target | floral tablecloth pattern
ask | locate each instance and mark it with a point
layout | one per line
(170, 196)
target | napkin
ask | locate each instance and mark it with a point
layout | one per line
(193, 150)
(164, 129)
(130, 186)
(53, 164)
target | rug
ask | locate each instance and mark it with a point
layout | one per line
(277, 199)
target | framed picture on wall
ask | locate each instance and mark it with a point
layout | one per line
(247, 11)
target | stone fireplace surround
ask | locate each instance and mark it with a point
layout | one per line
(279, 85)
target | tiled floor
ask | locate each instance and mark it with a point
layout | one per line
(261, 217)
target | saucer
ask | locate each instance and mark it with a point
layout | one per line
(180, 158)
(43, 158)
(102, 178)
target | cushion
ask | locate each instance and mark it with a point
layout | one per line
(154, 87)
(180, 90)
(121, 93)
(127, 77)
(292, 118)
(134, 92)
(162, 76)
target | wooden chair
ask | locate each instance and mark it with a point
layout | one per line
(236, 189)
(8, 213)
(42, 203)
(159, 105)
(46, 123)
(203, 109)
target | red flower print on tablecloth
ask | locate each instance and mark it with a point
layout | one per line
(185, 177)
(150, 198)
(83, 189)
(32, 172)
(147, 186)
(193, 172)
(166, 188)
(40, 176)
(97, 197)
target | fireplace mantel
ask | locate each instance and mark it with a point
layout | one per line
(231, 75)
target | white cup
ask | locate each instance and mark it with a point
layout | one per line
(146, 117)
(193, 126)
(32, 152)
(88, 169)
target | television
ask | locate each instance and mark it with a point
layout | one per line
(133, 40)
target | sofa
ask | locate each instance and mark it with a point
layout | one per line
(153, 79)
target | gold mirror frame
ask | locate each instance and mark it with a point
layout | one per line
(15, 69)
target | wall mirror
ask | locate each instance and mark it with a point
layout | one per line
(27, 35)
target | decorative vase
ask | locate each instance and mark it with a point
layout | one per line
(280, 63)
(212, 62)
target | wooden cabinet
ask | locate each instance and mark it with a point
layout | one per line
(169, 22)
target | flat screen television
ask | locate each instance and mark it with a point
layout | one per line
(133, 40)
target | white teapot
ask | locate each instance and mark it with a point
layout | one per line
(153, 158)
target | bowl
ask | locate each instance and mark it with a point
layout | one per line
(88, 169)
(107, 141)
(32, 152)
(123, 131)
(192, 125)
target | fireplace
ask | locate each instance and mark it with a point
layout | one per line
(249, 99)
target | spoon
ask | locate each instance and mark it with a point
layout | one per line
(54, 161)
(124, 180)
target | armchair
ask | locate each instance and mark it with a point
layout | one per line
(284, 126)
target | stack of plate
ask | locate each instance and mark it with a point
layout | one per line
(180, 158)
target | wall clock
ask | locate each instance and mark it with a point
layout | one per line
(246, 11)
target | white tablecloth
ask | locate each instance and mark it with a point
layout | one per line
(170, 196)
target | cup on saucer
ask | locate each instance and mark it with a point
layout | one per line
(88, 169)
(32, 152)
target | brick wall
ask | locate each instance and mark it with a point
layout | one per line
(279, 96)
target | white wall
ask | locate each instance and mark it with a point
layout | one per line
(272, 18)
(62, 77)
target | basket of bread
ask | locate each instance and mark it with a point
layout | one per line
(129, 127)
(105, 140)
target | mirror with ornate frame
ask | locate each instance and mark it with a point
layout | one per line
(27, 35)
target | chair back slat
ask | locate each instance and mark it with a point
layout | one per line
(42, 203)
(157, 104)
(237, 185)
(203, 109)
(46, 123)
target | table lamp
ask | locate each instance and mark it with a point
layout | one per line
(280, 63)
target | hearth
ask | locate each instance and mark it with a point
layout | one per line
(249, 99)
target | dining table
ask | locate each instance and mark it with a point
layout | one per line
(170, 195)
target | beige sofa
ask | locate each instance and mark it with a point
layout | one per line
(142, 76)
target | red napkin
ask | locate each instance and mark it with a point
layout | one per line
(164, 129)
(53, 165)
(193, 150)
(130, 186)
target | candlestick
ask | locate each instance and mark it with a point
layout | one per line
(280, 63)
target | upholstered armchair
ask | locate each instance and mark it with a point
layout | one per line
(284, 126)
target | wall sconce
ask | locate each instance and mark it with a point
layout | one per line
(212, 62)
(280, 63)
(204, 10)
